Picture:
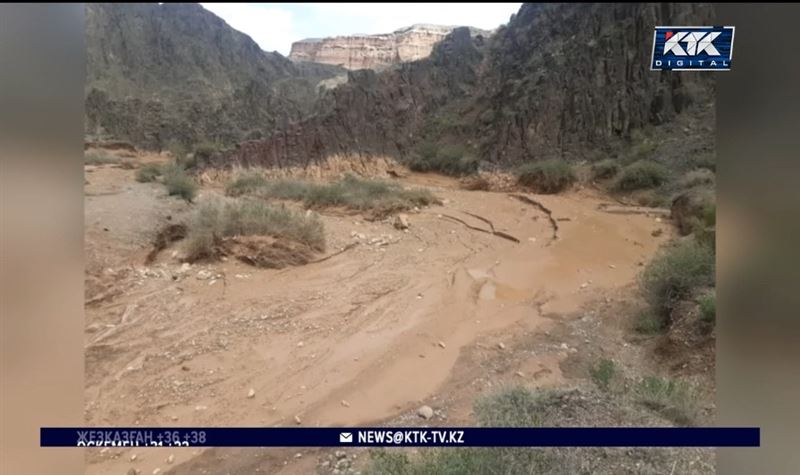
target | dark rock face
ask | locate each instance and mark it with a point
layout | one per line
(374, 113)
(157, 73)
(566, 76)
(560, 80)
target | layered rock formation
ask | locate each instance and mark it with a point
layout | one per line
(177, 72)
(374, 114)
(564, 78)
(373, 51)
(560, 80)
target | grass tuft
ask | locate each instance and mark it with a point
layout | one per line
(447, 159)
(605, 169)
(379, 198)
(674, 274)
(215, 220)
(246, 183)
(149, 172)
(641, 175)
(511, 407)
(649, 324)
(671, 398)
(603, 373)
(547, 176)
(697, 177)
(708, 309)
(178, 182)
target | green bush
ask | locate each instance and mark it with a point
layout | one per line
(448, 159)
(203, 153)
(642, 150)
(178, 182)
(671, 398)
(378, 197)
(674, 274)
(149, 172)
(548, 176)
(708, 308)
(605, 169)
(246, 183)
(705, 160)
(177, 149)
(514, 406)
(207, 150)
(697, 177)
(707, 233)
(694, 210)
(640, 175)
(648, 323)
(603, 373)
(214, 220)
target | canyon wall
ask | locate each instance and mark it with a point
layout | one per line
(373, 51)
(559, 81)
(158, 73)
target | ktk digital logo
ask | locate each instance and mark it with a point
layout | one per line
(692, 48)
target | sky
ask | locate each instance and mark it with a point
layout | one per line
(275, 26)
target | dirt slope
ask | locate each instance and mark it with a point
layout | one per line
(359, 338)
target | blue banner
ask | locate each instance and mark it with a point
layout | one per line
(692, 48)
(401, 437)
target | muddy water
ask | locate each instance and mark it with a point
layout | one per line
(367, 334)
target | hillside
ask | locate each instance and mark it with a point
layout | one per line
(560, 80)
(160, 73)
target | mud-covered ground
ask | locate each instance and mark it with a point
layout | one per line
(435, 315)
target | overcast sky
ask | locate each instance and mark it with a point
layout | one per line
(275, 26)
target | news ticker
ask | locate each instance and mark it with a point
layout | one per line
(400, 437)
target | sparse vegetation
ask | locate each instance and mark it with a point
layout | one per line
(178, 182)
(447, 159)
(149, 172)
(644, 149)
(215, 220)
(671, 398)
(511, 407)
(694, 209)
(640, 175)
(206, 150)
(378, 198)
(177, 149)
(704, 160)
(515, 406)
(697, 177)
(603, 373)
(605, 169)
(648, 323)
(708, 308)
(655, 198)
(674, 274)
(704, 228)
(246, 183)
(98, 159)
(547, 176)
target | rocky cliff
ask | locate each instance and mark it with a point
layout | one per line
(158, 73)
(373, 51)
(560, 80)
(373, 113)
